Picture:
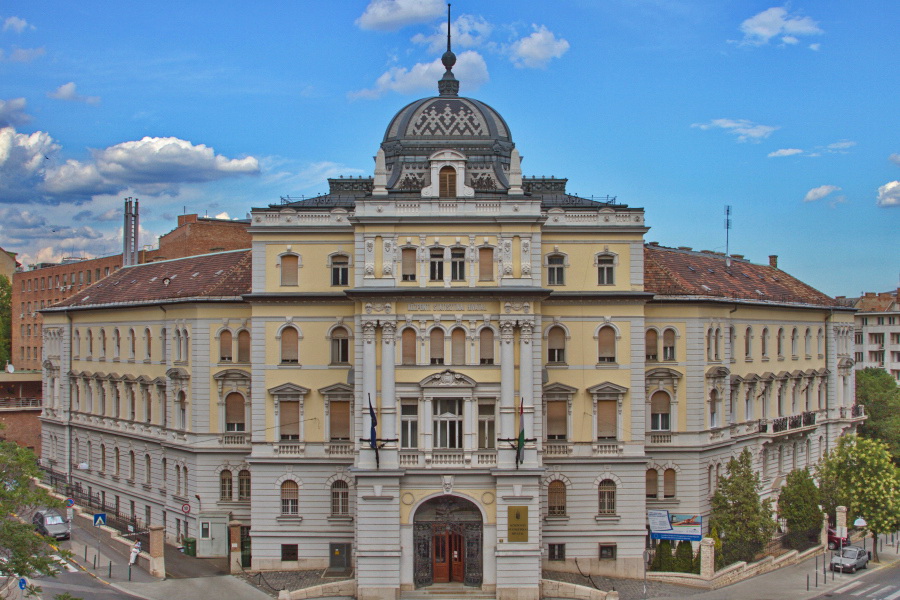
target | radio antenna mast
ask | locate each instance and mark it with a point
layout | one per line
(727, 236)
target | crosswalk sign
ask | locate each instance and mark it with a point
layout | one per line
(99, 519)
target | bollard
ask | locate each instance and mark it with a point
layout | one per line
(817, 577)
(129, 572)
(95, 562)
(807, 582)
(85, 553)
(110, 570)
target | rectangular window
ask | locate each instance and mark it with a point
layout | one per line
(486, 427)
(436, 265)
(408, 264)
(457, 264)
(557, 420)
(339, 420)
(204, 530)
(556, 274)
(340, 270)
(607, 551)
(409, 425)
(557, 552)
(607, 412)
(340, 351)
(605, 272)
(289, 420)
(447, 426)
(659, 421)
(289, 552)
(485, 264)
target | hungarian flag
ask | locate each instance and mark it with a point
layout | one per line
(520, 442)
(373, 437)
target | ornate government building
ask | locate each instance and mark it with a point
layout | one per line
(464, 303)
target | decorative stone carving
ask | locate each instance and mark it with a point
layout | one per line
(378, 307)
(447, 483)
(368, 328)
(388, 330)
(370, 270)
(507, 331)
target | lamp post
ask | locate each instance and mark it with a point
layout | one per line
(646, 560)
(860, 522)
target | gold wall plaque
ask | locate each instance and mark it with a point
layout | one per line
(517, 523)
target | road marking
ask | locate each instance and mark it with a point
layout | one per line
(864, 590)
(893, 596)
(849, 586)
(63, 562)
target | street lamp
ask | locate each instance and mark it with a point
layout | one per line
(860, 522)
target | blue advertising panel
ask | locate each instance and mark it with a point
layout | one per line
(669, 526)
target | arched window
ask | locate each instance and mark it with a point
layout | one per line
(117, 343)
(117, 462)
(290, 498)
(713, 408)
(148, 344)
(340, 270)
(458, 346)
(290, 353)
(243, 485)
(437, 346)
(717, 335)
(132, 344)
(660, 408)
(225, 346)
(669, 344)
(102, 458)
(669, 483)
(243, 346)
(184, 473)
(820, 338)
(90, 342)
(340, 499)
(556, 346)
(710, 481)
(132, 466)
(764, 342)
(340, 346)
(748, 346)
(606, 270)
(76, 344)
(408, 346)
(779, 342)
(102, 343)
(486, 346)
(607, 497)
(225, 485)
(556, 269)
(795, 342)
(181, 409)
(652, 484)
(709, 344)
(185, 345)
(606, 340)
(290, 265)
(651, 343)
(176, 342)
(807, 343)
(148, 469)
(235, 419)
(447, 187)
(556, 498)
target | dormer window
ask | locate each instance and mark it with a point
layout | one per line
(447, 182)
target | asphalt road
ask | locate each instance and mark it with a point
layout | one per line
(883, 584)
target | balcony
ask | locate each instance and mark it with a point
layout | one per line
(556, 449)
(290, 449)
(660, 438)
(794, 423)
(234, 439)
(857, 411)
(468, 459)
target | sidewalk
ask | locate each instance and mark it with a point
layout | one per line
(790, 582)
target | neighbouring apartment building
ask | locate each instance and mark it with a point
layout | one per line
(447, 372)
(877, 331)
(45, 284)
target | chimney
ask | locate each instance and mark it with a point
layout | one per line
(773, 261)
(126, 235)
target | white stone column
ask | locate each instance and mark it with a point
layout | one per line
(388, 388)
(507, 391)
(526, 378)
(366, 455)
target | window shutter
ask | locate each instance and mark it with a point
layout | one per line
(244, 346)
(289, 339)
(607, 344)
(458, 346)
(556, 339)
(606, 418)
(289, 264)
(652, 343)
(437, 345)
(652, 483)
(486, 346)
(659, 403)
(340, 420)
(408, 340)
(289, 418)
(486, 264)
(669, 483)
(225, 346)
(556, 420)
(408, 257)
(234, 408)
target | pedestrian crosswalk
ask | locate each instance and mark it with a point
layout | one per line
(64, 563)
(858, 589)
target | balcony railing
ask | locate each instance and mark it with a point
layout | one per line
(809, 418)
(557, 449)
(20, 402)
(660, 438)
(780, 424)
(233, 439)
(763, 426)
(858, 410)
(339, 449)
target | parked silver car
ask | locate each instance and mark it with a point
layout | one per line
(850, 559)
(52, 524)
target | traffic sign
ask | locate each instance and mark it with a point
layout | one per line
(70, 502)
(22, 583)
(185, 508)
(99, 519)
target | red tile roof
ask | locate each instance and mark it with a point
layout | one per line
(675, 272)
(224, 275)
(884, 302)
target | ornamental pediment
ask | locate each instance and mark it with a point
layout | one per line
(232, 375)
(447, 379)
(288, 388)
(607, 387)
(559, 388)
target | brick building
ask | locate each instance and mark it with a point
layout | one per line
(45, 284)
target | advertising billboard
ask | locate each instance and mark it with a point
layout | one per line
(670, 526)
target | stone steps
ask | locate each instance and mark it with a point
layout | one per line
(447, 591)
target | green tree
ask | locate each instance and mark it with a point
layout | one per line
(739, 513)
(798, 505)
(868, 482)
(662, 560)
(684, 557)
(5, 321)
(23, 553)
(878, 392)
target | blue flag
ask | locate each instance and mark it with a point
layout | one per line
(373, 437)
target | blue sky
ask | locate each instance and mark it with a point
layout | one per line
(788, 112)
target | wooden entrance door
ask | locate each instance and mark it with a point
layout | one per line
(448, 563)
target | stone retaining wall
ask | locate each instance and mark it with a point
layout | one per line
(560, 589)
(346, 587)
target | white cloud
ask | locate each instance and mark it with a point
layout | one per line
(23, 160)
(776, 21)
(15, 24)
(68, 93)
(841, 145)
(745, 130)
(815, 47)
(537, 49)
(12, 112)
(889, 194)
(817, 193)
(23, 54)
(467, 31)
(222, 215)
(895, 158)
(470, 70)
(785, 152)
(391, 15)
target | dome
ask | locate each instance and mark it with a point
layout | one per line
(454, 119)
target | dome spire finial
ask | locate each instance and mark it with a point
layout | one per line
(448, 85)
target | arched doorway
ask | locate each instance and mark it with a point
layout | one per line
(447, 538)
